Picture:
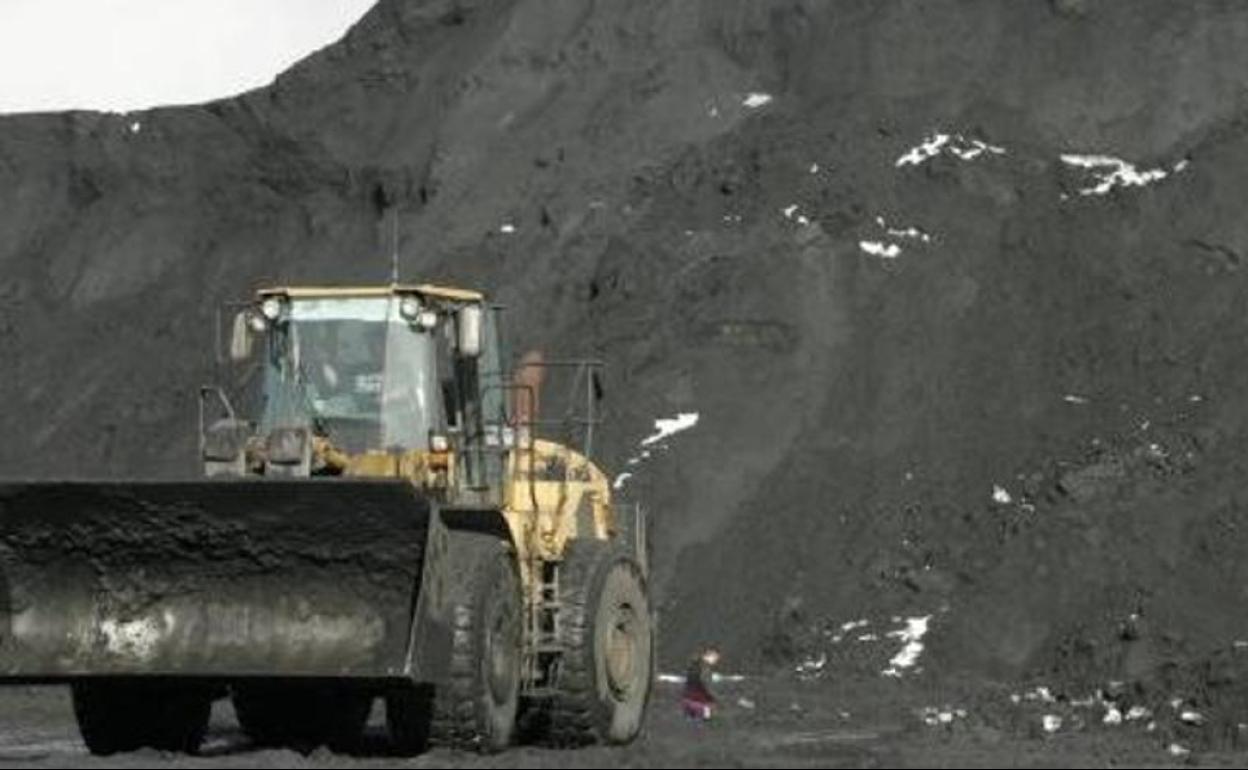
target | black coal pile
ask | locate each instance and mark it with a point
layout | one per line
(956, 291)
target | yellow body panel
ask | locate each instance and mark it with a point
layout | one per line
(555, 494)
(552, 494)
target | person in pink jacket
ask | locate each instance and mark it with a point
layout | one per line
(696, 699)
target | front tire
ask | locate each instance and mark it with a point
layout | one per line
(475, 707)
(115, 716)
(606, 673)
(302, 716)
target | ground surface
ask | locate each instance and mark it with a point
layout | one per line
(761, 723)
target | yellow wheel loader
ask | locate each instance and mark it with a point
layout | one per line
(392, 522)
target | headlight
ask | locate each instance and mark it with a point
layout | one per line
(428, 320)
(271, 308)
(409, 308)
(257, 323)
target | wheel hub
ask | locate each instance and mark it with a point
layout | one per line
(621, 651)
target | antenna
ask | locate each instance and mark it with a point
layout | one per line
(394, 245)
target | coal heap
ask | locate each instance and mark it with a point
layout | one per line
(955, 289)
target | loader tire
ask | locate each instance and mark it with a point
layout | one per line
(126, 716)
(606, 672)
(475, 707)
(302, 717)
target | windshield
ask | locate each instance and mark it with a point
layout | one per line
(354, 370)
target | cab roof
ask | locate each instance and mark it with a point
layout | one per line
(394, 289)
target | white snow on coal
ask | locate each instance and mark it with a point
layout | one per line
(664, 429)
(928, 149)
(913, 233)
(956, 145)
(880, 249)
(909, 232)
(912, 637)
(813, 667)
(973, 148)
(755, 100)
(935, 717)
(793, 214)
(1108, 172)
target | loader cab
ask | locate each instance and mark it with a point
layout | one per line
(391, 372)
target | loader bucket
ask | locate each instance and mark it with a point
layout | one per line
(220, 579)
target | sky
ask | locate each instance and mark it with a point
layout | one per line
(125, 55)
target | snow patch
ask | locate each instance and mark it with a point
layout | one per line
(1041, 694)
(912, 233)
(664, 429)
(912, 635)
(136, 127)
(1052, 723)
(930, 148)
(973, 148)
(934, 717)
(1001, 496)
(1110, 172)
(793, 214)
(812, 667)
(667, 428)
(757, 99)
(956, 145)
(880, 249)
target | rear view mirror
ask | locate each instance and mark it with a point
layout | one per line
(470, 331)
(240, 340)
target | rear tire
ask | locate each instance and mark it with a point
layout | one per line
(606, 672)
(126, 716)
(475, 707)
(301, 716)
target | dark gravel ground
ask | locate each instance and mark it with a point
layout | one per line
(862, 723)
